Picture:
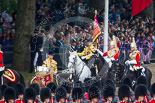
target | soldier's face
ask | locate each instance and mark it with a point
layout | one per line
(47, 100)
(141, 98)
(11, 101)
(30, 101)
(94, 100)
(62, 100)
(50, 56)
(20, 96)
(109, 99)
(89, 43)
(125, 98)
(132, 48)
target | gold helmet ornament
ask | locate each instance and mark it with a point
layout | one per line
(133, 44)
(113, 42)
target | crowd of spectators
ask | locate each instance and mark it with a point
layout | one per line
(121, 24)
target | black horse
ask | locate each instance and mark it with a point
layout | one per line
(104, 72)
(124, 71)
(17, 76)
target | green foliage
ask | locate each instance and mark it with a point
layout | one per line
(8, 5)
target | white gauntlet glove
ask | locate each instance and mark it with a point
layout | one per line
(83, 57)
(99, 52)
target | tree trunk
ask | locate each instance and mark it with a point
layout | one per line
(148, 11)
(25, 25)
(94, 5)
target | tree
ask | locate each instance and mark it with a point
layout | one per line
(25, 25)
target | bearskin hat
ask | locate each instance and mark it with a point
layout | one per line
(93, 92)
(36, 87)
(142, 80)
(45, 93)
(3, 87)
(152, 89)
(108, 91)
(124, 91)
(127, 81)
(30, 93)
(61, 93)
(87, 83)
(9, 93)
(109, 82)
(67, 87)
(98, 83)
(19, 89)
(77, 93)
(140, 90)
(52, 86)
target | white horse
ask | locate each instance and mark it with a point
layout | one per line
(81, 69)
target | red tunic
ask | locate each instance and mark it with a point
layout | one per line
(1, 58)
(51, 100)
(135, 56)
(86, 95)
(114, 53)
(2, 101)
(19, 101)
(152, 101)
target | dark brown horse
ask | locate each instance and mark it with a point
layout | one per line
(16, 78)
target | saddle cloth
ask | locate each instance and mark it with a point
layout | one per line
(43, 78)
(10, 75)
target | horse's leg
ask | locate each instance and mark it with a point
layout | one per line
(149, 77)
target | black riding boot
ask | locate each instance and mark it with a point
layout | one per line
(93, 71)
(138, 72)
(135, 77)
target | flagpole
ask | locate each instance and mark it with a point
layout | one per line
(106, 25)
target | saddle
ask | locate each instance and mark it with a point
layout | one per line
(10, 75)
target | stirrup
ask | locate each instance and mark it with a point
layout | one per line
(133, 83)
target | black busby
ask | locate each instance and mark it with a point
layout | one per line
(30, 93)
(77, 93)
(93, 92)
(36, 87)
(9, 93)
(19, 89)
(61, 93)
(67, 87)
(108, 91)
(140, 90)
(98, 83)
(142, 80)
(109, 82)
(87, 83)
(127, 81)
(52, 86)
(152, 89)
(124, 91)
(3, 87)
(45, 93)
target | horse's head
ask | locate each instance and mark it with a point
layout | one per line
(72, 59)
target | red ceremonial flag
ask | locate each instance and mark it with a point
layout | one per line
(139, 5)
(97, 30)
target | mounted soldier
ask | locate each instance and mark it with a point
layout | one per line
(134, 60)
(112, 54)
(88, 51)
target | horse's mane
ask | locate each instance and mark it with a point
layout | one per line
(102, 59)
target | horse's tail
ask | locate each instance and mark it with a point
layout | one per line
(22, 81)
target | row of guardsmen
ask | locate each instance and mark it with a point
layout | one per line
(89, 94)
